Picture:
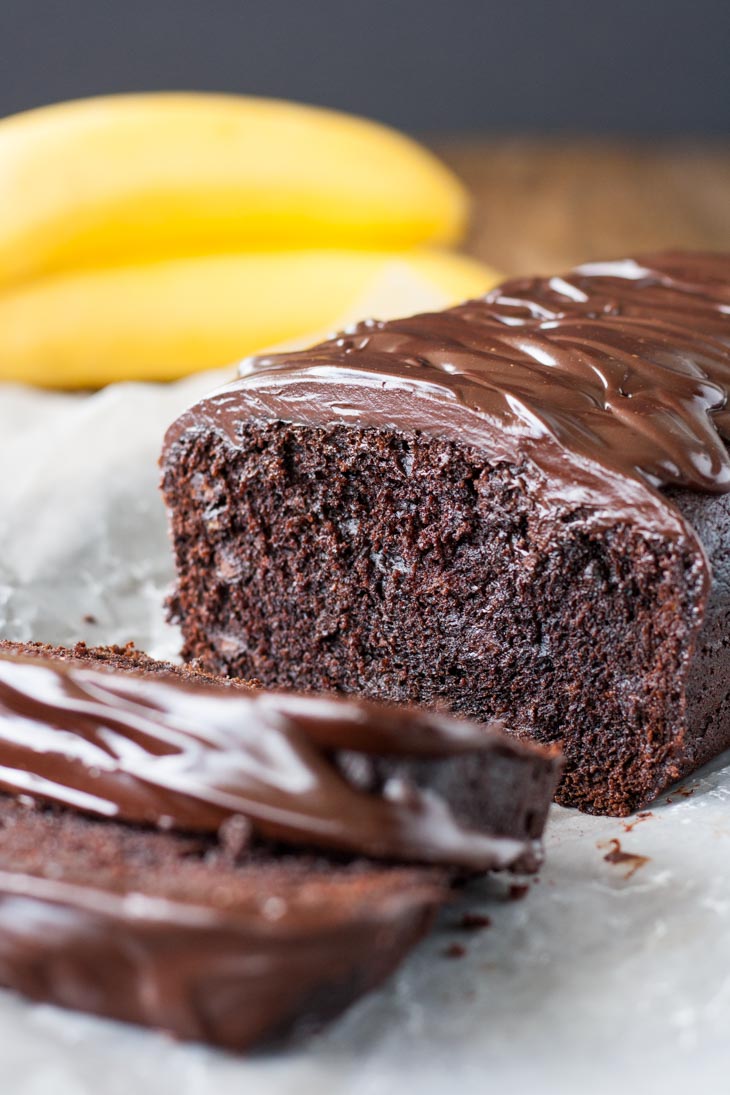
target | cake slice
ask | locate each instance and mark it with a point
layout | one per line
(517, 508)
(172, 932)
(150, 744)
(148, 819)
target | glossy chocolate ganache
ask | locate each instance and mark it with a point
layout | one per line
(612, 380)
(358, 778)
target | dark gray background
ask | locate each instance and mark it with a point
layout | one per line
(631, 66)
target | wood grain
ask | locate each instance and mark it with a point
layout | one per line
(542, 205)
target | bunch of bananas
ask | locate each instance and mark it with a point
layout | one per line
(150, 236)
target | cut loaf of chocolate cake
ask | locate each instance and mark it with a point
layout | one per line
(148, 820)
(516, 508)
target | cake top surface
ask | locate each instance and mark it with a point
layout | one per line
(610, 378)
(142, 747)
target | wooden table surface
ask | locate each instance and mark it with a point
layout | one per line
(542, 205)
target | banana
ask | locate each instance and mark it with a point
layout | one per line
(129, 179)
(163, 320)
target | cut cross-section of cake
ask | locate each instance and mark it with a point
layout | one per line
(516, 508)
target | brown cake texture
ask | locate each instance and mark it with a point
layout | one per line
(513, 509)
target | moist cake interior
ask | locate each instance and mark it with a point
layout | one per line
(407, 568)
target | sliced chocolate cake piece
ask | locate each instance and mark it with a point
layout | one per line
(160, 746)
(516, 508)
(146, 863)
(169, 931)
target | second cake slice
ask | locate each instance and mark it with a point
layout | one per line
(157, 860)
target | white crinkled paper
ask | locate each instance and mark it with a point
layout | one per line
(596, 982)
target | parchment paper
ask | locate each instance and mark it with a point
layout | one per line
(599, 980)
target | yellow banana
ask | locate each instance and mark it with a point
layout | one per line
(132, 178)
(162, 320)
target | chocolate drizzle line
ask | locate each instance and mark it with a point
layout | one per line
(162, 751)
(611, 381)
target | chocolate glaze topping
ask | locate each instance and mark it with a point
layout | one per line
(610, 382)
(162, 751)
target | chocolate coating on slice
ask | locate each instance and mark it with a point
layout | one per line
(611, 381)
(167, 751)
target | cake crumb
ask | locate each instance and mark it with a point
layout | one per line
(517, 891)
(629, 826)
(682, 792)
(630, 859)
(89, 618)
(473, 921)
(454, 950)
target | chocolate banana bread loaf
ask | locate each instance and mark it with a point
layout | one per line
(516, 508)
(148, 820)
